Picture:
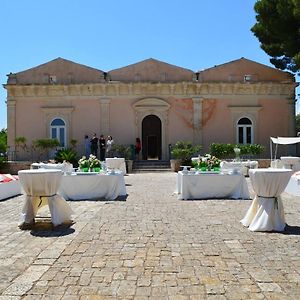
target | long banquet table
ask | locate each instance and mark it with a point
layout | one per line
(85, 186)
(211, 185)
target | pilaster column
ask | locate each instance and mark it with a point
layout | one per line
(197, 120)
(292, 119)
(104, 116)
(11, 123)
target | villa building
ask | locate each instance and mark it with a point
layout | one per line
(241, 101)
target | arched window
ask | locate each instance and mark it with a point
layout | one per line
(244, 131)
(58, 131)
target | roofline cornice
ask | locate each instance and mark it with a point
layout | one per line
(179, 89)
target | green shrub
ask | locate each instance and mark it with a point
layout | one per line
(67, 154)
(184, 151)
(121, 151)
(222, 150)
(227, 150)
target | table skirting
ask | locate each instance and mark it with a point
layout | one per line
(210, 186)
(266, 212)
(40, 187)
(92, 186)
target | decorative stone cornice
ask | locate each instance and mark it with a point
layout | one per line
(180, 89)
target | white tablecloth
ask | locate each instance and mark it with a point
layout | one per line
(10, 189)
(210, 186)
(116, 163)
(94, 186)
(293, 187)
(41, 187)
(242, 166)
(266, 211)
(290, 162)
(47, 166)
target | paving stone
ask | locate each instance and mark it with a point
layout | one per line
(151, 246)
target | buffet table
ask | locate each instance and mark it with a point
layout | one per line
(85, 186)
(266, 211)
(41, 187)
(242, 166)
(211, 185)
(116, 164)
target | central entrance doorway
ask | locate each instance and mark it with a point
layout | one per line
(151, 137)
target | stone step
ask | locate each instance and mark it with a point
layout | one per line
(148, 170)
(151, 166)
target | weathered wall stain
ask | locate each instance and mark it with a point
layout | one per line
(208, 109)
(183, 109)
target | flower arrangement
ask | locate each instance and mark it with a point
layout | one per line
(83, 163)
(94, 162)
(208, 162)
(91, 163)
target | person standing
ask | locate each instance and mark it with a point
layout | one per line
(109, 145)
(94, 145)
(138, 147)
(102, 147)
(87, 146)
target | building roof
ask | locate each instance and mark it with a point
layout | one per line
(241, 69)
(60, 71)
(151, 70)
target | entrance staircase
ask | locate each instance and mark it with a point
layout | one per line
(140, 166)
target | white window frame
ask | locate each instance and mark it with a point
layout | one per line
(58, 127)
(244, 127)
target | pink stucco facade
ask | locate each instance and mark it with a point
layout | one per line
(203, 107)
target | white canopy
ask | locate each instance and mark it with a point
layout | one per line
(282, 141)
(285, 140)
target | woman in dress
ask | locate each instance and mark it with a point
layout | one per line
(138, 147)
(109, 144)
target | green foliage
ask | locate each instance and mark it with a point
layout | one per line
(46, 144)
(277, 29)
(67, 154)
(73, 143)
(21, 142)
(222, 150)
(121, 151)
(184, 151)
(3, 161)
(298, 123)
(3, 140)
(227, 150)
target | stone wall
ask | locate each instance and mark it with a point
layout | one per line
(12, 167)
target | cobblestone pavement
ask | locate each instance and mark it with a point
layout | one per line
(151, 246)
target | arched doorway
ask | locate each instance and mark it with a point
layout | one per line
(151, 137)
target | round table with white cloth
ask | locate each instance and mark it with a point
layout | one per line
(266, 212)
(40, 186)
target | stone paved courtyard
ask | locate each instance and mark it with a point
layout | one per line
(151, 246)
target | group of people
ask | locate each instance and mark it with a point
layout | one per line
(105, 146)
(94, 143)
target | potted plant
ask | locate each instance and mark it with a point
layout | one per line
(182, 153)
(84, 164)
(124, 151)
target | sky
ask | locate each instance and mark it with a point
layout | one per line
(193, 34)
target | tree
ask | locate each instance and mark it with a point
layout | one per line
(278, 30)
(3, 140)
(298, 123)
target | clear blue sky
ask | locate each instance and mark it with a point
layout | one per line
(193, 34)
